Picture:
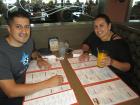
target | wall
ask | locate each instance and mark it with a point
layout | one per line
(116, 10)
(75, 33)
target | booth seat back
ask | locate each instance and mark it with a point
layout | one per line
(132, 37)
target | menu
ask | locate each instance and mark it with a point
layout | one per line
(63, 98)
(59, 95)
(102, 85)
(110, 93)
(33, 65)
(95, 75)
(76, 59)
(77, 64)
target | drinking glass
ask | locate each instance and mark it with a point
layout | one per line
(62, 49)
(101, 55)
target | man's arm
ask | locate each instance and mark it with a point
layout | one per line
(11, 89)
(40, 61)
(36, 55)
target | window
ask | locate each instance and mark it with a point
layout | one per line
(50, 11)
(135, 11)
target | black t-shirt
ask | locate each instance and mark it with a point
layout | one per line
(117, 49)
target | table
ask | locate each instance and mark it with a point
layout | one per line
(81, 95)
(79, 90)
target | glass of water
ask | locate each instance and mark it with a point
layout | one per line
(62, 50)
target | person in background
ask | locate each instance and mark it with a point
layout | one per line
(16, 50)
(119, 57)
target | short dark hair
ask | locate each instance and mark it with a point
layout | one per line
(12, 15)
(105, 17)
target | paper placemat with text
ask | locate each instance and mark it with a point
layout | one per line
(101, 80)
(57, 94)
(77, 64)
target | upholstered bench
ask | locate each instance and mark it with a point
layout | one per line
(132, 37)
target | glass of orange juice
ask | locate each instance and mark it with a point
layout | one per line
(101, 55)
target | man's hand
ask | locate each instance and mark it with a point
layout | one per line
(43, 64)
(55, 81)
